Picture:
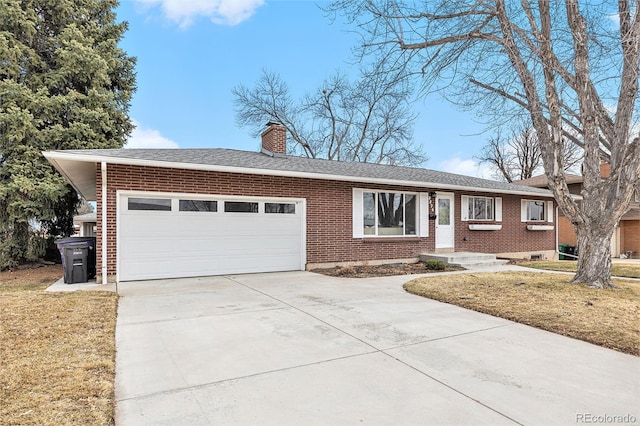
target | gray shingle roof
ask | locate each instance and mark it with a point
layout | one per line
(338, 170)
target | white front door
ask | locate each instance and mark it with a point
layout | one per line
(444, 221)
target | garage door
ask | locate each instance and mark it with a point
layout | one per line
(190, 236)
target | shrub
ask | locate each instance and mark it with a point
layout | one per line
(435, 265)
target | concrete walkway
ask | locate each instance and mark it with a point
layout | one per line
(300, 348)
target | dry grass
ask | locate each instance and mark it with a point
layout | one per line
(628, 270)
(57, 351)
(609, 318)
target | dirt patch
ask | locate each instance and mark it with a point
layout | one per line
(367, 271)
(30, 277)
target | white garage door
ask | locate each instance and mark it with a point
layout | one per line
(169, 236)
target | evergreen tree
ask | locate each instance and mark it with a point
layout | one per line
(64, 84)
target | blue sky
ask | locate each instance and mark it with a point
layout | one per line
(192, 53)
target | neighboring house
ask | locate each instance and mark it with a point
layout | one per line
(626, 237)
(196, 212)
(85, 225)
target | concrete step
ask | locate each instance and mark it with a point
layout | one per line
(466, 260)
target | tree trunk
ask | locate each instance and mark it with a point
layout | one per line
(594, 261)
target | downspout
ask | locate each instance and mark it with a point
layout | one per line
(557, 237)
(103, 167)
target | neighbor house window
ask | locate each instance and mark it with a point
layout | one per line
(157, 204)
(389, 213)
(475, 208)
(537, 211)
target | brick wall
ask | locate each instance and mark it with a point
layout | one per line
(630, 237)
(512, 238)
(329, 211)
(274, 139)
(566, 233)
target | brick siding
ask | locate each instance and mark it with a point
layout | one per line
(329, 214)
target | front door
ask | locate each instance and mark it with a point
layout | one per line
(444, 221)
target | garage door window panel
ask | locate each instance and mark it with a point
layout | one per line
(240, 207)
(149, 204)
(198, 206)
(280, 208)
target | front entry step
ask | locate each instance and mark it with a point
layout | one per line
(465, 260)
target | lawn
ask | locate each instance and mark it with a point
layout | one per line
(628, 270)
(57, 352)
(609, 318)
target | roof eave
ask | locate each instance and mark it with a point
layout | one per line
(56, 157)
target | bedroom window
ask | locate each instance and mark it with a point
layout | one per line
(389, 213)
(480, 208)
(536, 211)
(476, 208)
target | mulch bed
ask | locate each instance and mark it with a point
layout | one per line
(367, 271)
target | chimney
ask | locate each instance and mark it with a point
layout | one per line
(605, 169)
(274, 139)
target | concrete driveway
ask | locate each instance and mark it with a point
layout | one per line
(303, 349)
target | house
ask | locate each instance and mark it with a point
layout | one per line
(197, 212)
(84, 225)
(626, 237)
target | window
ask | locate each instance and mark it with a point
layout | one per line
(480, 208)
(240, 207)
(537, 211)
(157, 204)
(476, 208)
(389, 213)
(198, 206)
(281, 208)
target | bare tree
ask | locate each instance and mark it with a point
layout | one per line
(369, 120)
(519, 156)
(572, 68)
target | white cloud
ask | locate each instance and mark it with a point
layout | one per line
(142, 137)
(465, 167)
(227, 12)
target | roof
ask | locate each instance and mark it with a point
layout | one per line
(87, 217)
(79, 167)
(540, 181)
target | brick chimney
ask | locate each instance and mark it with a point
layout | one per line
(274, 139)
(605, 169)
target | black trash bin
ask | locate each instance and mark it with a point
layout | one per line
(91, 258)
(75, 263)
